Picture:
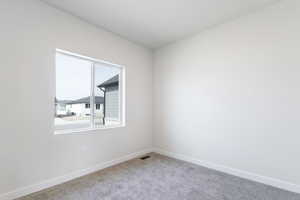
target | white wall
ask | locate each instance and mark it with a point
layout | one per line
(228, 96)
(29, 151)
(231, 95)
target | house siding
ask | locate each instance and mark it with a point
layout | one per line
(112, 103)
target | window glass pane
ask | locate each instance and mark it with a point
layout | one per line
(73, 88)
(107, 95)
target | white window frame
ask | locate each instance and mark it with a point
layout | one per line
(92, 103)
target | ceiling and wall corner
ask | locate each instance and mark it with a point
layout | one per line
(157, 23)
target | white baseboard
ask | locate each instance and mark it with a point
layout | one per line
(58, 180)
(236, 172)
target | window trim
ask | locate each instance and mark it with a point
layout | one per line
(122, 92)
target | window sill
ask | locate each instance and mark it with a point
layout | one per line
(86, 130)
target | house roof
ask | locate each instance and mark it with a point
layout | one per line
(86, 100)
(62, 101)
(110, 82)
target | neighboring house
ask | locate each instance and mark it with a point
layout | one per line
(106, 108)
(60, 107)
(111, 99)
(80, 107)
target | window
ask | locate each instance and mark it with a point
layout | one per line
(97, 106)
(89, 93)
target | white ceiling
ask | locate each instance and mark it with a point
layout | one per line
(155, 23)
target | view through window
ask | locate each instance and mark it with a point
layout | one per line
(81, 83)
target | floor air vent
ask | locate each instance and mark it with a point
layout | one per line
(144, 157)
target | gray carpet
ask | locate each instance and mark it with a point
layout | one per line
(162, 178)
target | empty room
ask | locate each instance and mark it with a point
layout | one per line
(150, 100)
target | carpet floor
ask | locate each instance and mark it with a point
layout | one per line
(161, 178)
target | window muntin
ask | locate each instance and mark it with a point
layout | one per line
(103, 88)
